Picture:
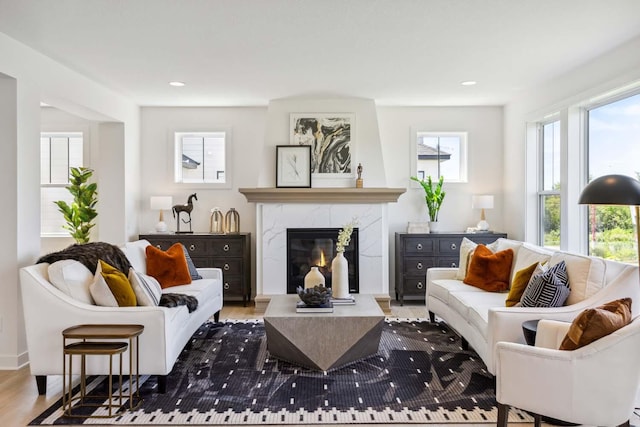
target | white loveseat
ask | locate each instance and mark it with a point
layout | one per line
(48, 311)
(481, 317)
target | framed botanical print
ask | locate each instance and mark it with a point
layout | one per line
(293, 166)
(332, 142)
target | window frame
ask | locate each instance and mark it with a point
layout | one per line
(541, 193)
(176, 149)
(68, 134)
(464, 150)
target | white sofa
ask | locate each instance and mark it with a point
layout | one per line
(48, 311)
(482, 319)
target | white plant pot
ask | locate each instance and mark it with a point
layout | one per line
(434, 226)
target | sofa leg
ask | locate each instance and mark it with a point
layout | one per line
(41, 382)
(537, 420)
(162, 384)
(432, 317)
(216, 317)
(503, 415)
(464, 343)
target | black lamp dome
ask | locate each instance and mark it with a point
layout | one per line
(611, 190)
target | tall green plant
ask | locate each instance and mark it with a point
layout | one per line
(80, 214)
(433, 195)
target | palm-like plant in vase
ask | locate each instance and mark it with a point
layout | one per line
(80, 214)
(433, 195)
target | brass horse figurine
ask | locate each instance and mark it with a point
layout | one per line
(187, 207)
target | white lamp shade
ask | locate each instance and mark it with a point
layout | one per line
(159, 203)
(482, 201)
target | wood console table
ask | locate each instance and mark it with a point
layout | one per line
(229, 252)
(415, 253)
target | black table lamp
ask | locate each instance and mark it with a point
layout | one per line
(614, 190)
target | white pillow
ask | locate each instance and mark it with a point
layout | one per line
(466, 252)
(466, 247)
(146, 288)
(100, 290)
(72, 278)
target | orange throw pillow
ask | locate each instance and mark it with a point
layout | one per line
(489, 271)
(170, 267)
(594, 323)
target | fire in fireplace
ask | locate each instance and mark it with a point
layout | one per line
(316, 247)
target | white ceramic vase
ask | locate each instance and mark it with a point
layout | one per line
(313, 278)
(340, 276)
(434, 226)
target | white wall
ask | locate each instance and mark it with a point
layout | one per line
(28, 78)
(383, 145)
(613, 70)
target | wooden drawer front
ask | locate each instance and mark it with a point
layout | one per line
(448, 262)
(418, 245)
(162, 244)
(415, 285)
(228, 265)
(196, 247)
(202, 262)
(449, 245)
(232, 286)
(413, 265)
(227, 247)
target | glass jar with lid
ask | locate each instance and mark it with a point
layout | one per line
(217, 222)
(232, 221)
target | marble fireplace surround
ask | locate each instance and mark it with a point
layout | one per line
(280, 208)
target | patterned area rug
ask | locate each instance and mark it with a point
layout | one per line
(226, 376)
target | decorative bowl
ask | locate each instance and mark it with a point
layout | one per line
(316, 296)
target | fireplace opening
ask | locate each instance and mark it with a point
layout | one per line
(316, 247)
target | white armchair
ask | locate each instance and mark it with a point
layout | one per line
(595, 384)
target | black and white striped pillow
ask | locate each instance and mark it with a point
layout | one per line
(147, 289)
(548, 289)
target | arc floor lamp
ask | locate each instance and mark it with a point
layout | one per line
(614, 190)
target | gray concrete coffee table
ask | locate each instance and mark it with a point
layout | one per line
(323, 340)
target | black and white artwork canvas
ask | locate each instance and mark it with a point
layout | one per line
(331, 138)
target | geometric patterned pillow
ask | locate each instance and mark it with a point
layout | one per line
(192, 268)
(549, 289)
(147, 289)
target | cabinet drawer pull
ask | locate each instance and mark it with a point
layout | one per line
(454, 265)
(419, 266)
(419, 285)
(454, 247)
(419, 246)
(192, 247)
(225, 248)
(226, 286)
(159, 246)
(226, 267)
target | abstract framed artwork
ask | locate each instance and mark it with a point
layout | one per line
(293, 166)
(331, 138)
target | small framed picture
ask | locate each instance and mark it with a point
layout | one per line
(293, 166)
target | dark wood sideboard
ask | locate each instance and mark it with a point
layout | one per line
(229, 252)
(415, 253)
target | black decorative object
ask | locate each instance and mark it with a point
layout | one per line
(187, 207)
(316, 296)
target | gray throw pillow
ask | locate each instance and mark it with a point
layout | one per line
(192, 268)
(548, 289)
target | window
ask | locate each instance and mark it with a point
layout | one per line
(440, 154)
(613, 146)
(549, 185)
(201, 157)
(59, 151)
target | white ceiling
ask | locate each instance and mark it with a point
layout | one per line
(246, 52)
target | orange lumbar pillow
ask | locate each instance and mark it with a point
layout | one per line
(595, 323)
(489, 271)
(170, 267)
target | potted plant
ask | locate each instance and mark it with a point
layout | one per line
(80, 214)
(433, 197)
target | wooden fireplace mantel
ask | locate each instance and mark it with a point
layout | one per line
(322, 195)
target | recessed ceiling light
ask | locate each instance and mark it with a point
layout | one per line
(468, 83)
(176, 84)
